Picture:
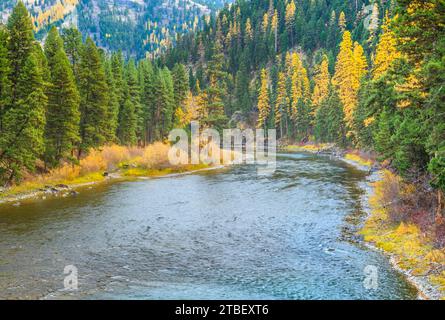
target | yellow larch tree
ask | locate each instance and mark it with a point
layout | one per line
(296, 90)
(265, 23)
(282, 101)
(386, 51)
(201, 102)
(274, 25)
(289, 18)
(248, 29)
(344, 78)
(342, 21)
(321, 79)
(300, 87)
(360, 64)
(263, 100)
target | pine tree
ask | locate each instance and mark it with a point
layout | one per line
(21, 142)
(180, 84)
(62, 116)
(128, 123)
(94, 100)
(72, 43)
(113, 104)
(20, 45)
(168, 96)
(147, 99)
(263, 100)
(216, 90)
(23, 119)
(5, 84)
(133, 94)
(383, 135)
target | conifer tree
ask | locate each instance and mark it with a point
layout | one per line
(113, 104)
(263, 100)
(386, 51)
(342, 21)
(128, 123)
(180, 83)
(23, 119)
(5, 84)
(290, 19)
(62, 116)
(20, 45)
(133, 94)
(147, 98)
(22, 142)
(168, 96)
(360, 64)
(282, 102)
(322, 81)
(274, 25)
(216, 90)
(345, 79)
(72, 43)
(94, 100)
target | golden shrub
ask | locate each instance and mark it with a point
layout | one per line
(154, 156)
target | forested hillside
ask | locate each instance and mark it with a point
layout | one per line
(359, 73)
(136, 27)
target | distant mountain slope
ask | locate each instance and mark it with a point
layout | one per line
(136, 27)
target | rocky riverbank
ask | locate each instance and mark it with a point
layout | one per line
(422, 282)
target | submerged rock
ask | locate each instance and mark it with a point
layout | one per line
(62, 186)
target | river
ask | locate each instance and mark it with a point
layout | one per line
(220, 234)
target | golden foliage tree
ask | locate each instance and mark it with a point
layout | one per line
(248, 29)
(282, 101)
(321, 79)
(342, 21)
(360, 64)
(386, 51)
(349, 68)
(263, 100)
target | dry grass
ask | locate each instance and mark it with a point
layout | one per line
(131, 161)
(391, 229)
(359, 159)
(153, 156)
(310, 147)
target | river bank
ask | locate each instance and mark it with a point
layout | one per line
(112, 163)
(407, 250)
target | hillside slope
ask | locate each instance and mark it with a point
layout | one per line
(133, 26)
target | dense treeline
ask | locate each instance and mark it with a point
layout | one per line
(363, 74)
(58, 102)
